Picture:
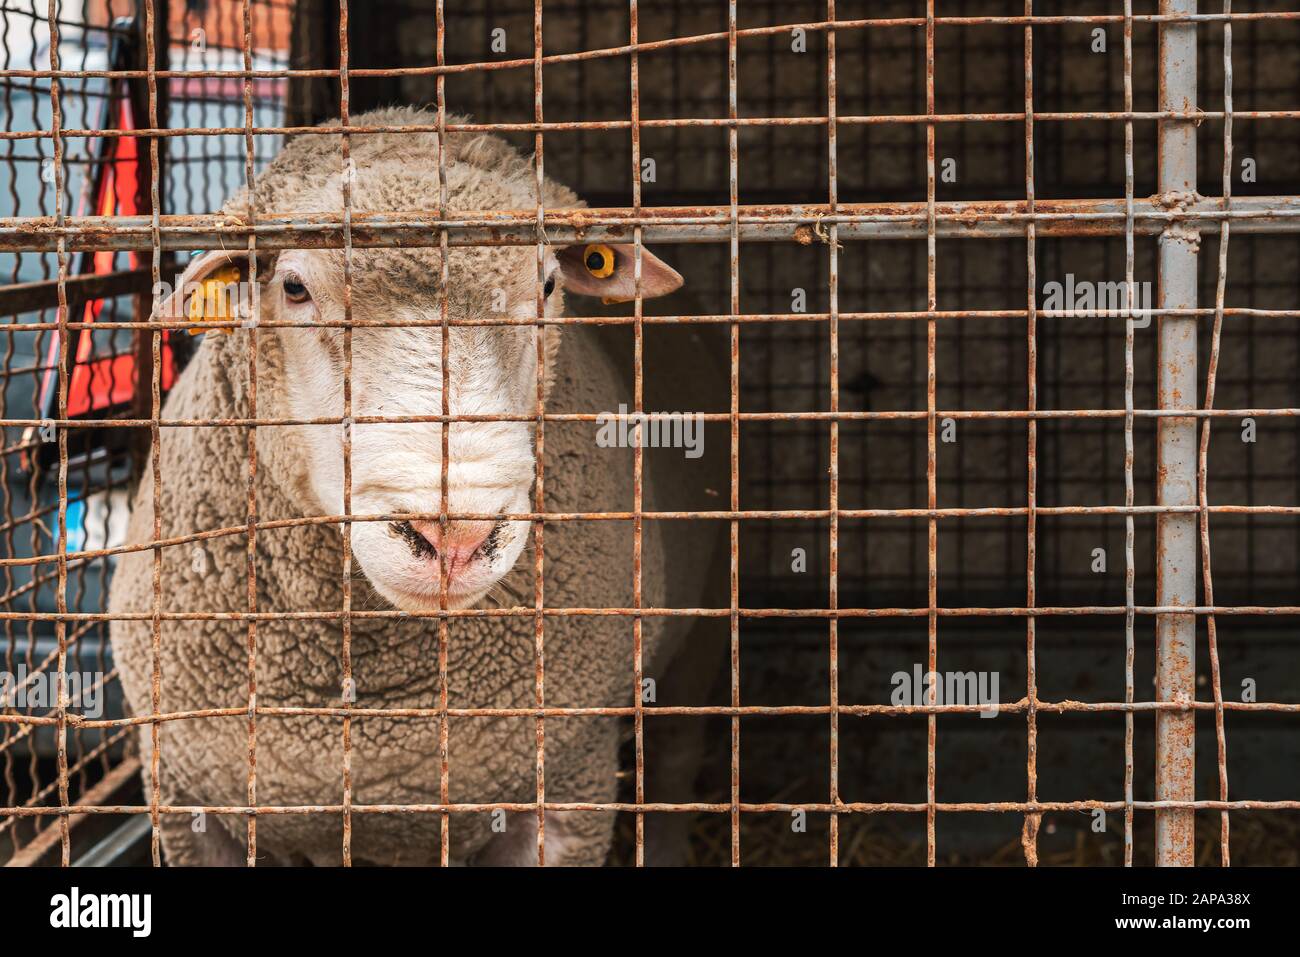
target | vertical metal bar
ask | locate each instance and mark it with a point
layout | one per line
(931, 454)
(64, 374)
(1029, 834)
(733, 162)
(155, 456)
(444, 623)
(251, 440)
(637, 452)
(539, 334)
(1130, 570)
(1203, 453)
(348, 681)
(1176, 437)
(832, 160)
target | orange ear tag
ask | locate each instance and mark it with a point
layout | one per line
(214, 300)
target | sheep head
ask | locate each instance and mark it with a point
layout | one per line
(490, 370)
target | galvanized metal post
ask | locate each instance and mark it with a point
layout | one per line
(1176, 539)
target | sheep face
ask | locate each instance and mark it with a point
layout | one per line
(398, 373)
(397, 370)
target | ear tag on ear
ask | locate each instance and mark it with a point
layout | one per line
(599, 260)
(213, 300)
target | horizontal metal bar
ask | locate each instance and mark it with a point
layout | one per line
(666, 123)
(844, 807)
(600, 417)
(862, 710)
(720, 515)
(840, 26)
(804, 224)
(1041, 611)
(711, 319)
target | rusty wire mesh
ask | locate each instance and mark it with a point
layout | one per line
(219, 109)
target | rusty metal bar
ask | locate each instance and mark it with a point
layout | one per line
(859, 710)
(348, 681)
(1176, 540)
(1029, 833)
(869, 119)
(664, 224)
(64, 376)
(972, 807)
(699, 319)
(539, 338)
(1203, 452)
(931, 448)
(1015, 707)
(1130, 569)
(666, 44)
(444, 468)
(833, 300)
(733, 183)
(982, 611)
(638, 460)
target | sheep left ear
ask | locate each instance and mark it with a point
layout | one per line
(595, 269)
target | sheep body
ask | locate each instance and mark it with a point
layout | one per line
(204, 664)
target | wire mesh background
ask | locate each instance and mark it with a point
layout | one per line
(847, 381)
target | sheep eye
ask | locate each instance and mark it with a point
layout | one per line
(599, 260)
(294, 290)
(550, 286)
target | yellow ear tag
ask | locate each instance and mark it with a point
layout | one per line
(214, 299)
(599, 260)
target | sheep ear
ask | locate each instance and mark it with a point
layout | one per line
(595, 269)
(170, 303)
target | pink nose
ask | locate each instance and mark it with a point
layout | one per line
(460, 543)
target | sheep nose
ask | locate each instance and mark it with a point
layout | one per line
(460, 541)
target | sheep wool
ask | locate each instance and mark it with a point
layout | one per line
(206, 475)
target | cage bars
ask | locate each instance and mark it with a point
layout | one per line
(1202, 461)
(1029, 834)
(1176, 471)
(1130, 568)
(638, 453)
(833, 322)
(1182, 514)
(349, 681)
(931, 448)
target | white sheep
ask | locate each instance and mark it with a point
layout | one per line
(395, 468)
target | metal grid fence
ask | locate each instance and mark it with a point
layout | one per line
(1177, 215)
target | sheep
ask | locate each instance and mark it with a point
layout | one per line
(395, 468)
